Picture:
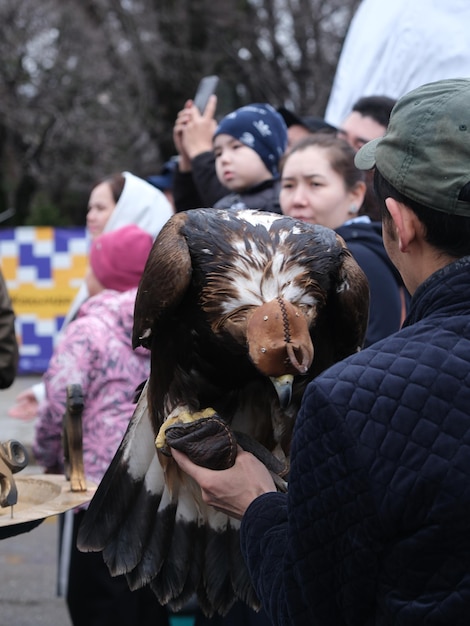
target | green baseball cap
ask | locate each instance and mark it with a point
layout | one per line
(425, 152)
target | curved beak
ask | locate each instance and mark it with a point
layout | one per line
(283, 387)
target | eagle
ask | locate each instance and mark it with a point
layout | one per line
(240, 309)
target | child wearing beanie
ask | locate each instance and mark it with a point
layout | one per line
(248, 144)
(95, 351)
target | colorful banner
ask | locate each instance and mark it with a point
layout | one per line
(43, 268)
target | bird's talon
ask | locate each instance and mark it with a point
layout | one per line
(183, 417)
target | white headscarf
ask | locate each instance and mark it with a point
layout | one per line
(142, 204)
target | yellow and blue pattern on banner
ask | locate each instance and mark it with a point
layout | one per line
(43, 268)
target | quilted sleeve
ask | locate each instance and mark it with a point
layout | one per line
(263, 538)
(315, 560)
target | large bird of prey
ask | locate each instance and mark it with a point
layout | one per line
(240, 310)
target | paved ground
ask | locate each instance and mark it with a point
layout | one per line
(28, 579)
(28, 566)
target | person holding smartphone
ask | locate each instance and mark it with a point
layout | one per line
(205, 148)
(195, 183)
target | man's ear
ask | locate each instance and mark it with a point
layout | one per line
(404, 223)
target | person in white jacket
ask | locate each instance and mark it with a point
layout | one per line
(394, 47)
(118, 200)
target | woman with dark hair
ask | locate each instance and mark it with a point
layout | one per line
(321, 185)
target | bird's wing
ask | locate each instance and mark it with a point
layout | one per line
(151, 524)
(166, 277)
(125, 484)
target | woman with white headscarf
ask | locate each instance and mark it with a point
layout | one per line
(118, 200)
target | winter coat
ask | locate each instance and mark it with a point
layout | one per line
(375, 529)
(264, 197)
(387, 292)
(94, 351)
(201, 188)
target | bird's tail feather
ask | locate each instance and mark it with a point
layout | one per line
(123, 484)
(145, 520)
(168, 550)
(241, 581)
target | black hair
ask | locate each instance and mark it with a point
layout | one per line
(341, 156)
(116, 182)
(378, 108)
(448, 233)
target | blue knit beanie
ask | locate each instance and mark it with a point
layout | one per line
(260, 127)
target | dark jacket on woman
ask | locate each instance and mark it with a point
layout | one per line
(388, 296)
(375, 528)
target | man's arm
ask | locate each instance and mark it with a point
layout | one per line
(247, 491)
(230, 491)
(196, 184)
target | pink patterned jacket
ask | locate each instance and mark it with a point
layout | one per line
(95, 351)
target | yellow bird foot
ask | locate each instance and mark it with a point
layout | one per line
(208, 441)
(179, 417)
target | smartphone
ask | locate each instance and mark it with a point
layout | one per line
(206, 88)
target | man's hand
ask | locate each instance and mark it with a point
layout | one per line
(230, 491)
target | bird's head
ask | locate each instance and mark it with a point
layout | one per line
(279, 344)
(278, 339)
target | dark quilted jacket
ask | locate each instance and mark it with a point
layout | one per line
(376, 526)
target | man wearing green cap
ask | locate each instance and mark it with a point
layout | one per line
(375, 529)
